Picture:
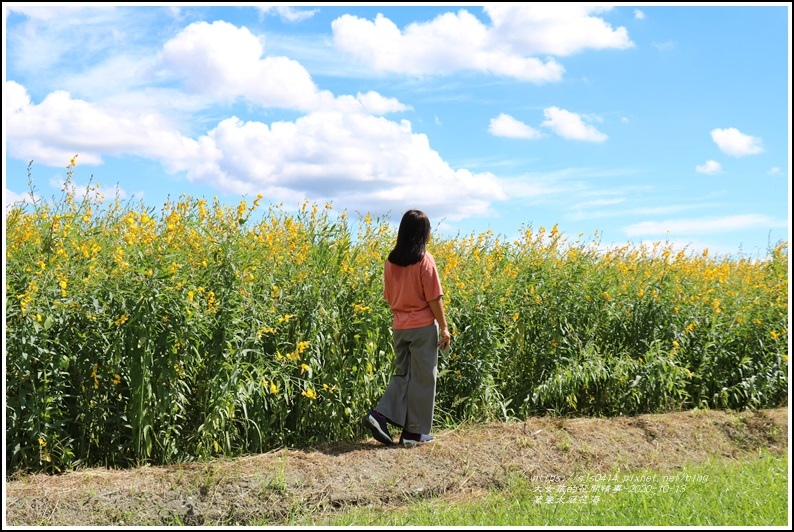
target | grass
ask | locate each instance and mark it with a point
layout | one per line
(749, 492)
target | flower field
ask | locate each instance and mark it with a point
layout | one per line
(136, 335)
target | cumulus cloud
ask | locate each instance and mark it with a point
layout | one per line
(570, 125)
(52, 131)
(733, 142)
(370, 162)
(341, 150)
(227, 62)
(454, 42)
(448, 44)
(559, 30)
(639, 15)
(710, 167)
(357, 159)
(374, 103)
(506, 126)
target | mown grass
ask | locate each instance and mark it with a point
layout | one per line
(719, 493)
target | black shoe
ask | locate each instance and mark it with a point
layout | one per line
(410, 439)
(376, 423)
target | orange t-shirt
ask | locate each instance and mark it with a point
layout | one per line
(408, 290)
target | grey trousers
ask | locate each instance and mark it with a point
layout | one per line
(410, 397)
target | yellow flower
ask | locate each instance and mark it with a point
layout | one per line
(361, 308)
(117, 379)
(304, 368)
(309, 393)
(273, 387)
(42, 442)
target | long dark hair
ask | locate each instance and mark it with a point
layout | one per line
(412, 238)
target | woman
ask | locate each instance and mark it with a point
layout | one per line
(413, 291)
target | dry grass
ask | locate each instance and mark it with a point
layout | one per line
(461, 462)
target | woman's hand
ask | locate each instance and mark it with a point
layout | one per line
(437, 306)
(444, 339)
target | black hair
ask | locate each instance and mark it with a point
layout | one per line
(412, 238)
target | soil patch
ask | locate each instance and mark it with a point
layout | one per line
(268, 488)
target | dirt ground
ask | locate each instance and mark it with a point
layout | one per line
(464, 461)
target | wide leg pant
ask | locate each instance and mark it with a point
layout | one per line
(410, 397)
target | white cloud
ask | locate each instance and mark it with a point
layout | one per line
(459, 41)
(10, 198)
(225, 61)
(774, 170)
(639, 15)
(374, 103)
(288, 13)
(507, 126)
(60, 126)
(735, 143)
(710, 167)
(570, 125)
(367, 162)
(559, 30)
(704, 225)
(360, 160)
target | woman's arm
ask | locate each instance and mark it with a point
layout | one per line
(437, 306)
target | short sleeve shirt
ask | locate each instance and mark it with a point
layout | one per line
(408, 290)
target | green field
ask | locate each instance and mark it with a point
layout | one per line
(137, 336)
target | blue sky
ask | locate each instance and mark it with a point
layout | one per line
(640, 123)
